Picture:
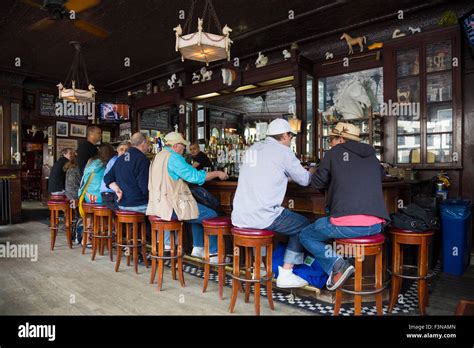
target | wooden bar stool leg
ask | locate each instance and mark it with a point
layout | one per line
(118, 237)
(378, 281)
(153, 253)
(172, 253)
(221, 258)
(145, 260)
(109, 240)
(101, 234)
(268, 262)
(129, 251)
(161, 247)
(396, 280)
(180, 254)
(68, 226)
(248, 276)
(258, 258)
(358, 285)
(236, 273)
(338, 302)
(95, 241)
(422, 271)
(135, 246)
(207, 267)
(85, 234)
(53, 227)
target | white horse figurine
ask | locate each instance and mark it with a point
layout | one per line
(351, 100)
(262, 60)
(286, 54)
(226, 31)
(361, 40)
(206, 75)
(329, 55)
(397, 33)
(172, 81)
(414, 30)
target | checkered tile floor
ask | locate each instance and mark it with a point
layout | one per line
(407, 303)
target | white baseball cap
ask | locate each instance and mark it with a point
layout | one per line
(279, 126)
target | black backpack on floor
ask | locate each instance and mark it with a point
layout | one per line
(414, 218)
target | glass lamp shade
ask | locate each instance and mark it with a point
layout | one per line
(295, 124)
(203, 48)
(76, 95)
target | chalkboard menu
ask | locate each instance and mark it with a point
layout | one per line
(47, 104)
(158, 119)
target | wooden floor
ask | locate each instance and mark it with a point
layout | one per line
(48, 285)
(64, 282)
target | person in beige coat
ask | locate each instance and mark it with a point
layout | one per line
(169, 194)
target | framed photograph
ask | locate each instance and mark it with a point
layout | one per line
(78, 130)
(63, 143)
(200, 115)
(62, 129)
(106, 137)
(200, 133)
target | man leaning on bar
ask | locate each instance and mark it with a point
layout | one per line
(263, 180)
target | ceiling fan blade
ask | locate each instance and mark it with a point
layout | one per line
(90, 28)
(80, 5)
(32, 3)
(41, 24)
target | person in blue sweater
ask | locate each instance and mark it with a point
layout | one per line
(108, 195)
(128, 177)
(94, 171)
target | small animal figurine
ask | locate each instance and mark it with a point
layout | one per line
(172, 81)
(286, 54)
(403, 97)
(228, 76)
(397, 33)
(206, 75)
(361, 40)
(262, 60)
(414, 30)
(329, 55)
(226, 31)
(196, 78)
(179, 32)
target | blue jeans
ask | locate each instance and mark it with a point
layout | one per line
(315, 235)
(290, 224)
(198, 230)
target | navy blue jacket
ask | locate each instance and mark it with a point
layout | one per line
(130, 172)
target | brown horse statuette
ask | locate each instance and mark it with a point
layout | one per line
(361, 40)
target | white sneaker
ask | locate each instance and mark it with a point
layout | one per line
(287, 279)
(215, 259)
(198, 252)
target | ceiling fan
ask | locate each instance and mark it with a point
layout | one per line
(62, 10)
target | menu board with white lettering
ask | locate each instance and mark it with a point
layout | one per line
(156, 119)
(47, 103)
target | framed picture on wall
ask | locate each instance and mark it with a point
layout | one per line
(62, 129)
(200, 115)
(105, 137)
(78, 130)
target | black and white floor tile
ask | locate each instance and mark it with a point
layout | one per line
(407, 304)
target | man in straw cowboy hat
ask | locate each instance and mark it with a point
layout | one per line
(352, 175)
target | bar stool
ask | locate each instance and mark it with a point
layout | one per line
(407, 237)
(158, 228)
(88, 224)
(219, 226)
(55, 206)
(249, 239)
(132, 220)
(60, 197)
(363, 246)
(102, 231)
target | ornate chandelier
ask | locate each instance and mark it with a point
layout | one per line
(201, 45)
(73, 94)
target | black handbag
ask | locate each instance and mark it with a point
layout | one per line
(204, 197)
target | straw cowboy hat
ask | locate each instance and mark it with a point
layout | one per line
(346, 130)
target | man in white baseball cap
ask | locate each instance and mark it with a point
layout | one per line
(263, 179)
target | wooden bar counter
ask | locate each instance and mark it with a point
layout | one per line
(306, 200)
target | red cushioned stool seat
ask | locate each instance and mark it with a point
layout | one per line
(252, 232)
(58, 197)
(97, 206)
(154, 218)
(57, 202)
(374, 239)
(218, 221)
